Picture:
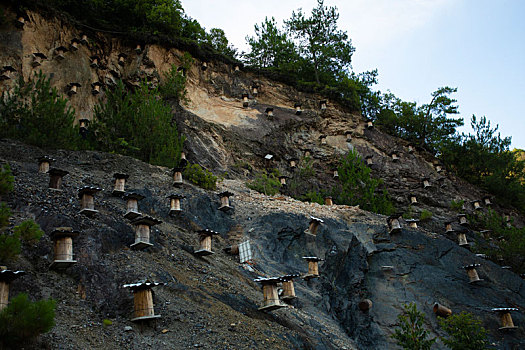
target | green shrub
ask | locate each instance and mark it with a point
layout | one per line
(457, 206)
(29, 231)
(409, 213)
(411, 334)
(22, 321)
(35, 113)
(7, 180)
(174, 85)
(137, 124)
(425, 215)
(5, 214)
(465, 332)
(314, 197)
(107, 322)
(10, 247)
(200, 177)
(267, 183)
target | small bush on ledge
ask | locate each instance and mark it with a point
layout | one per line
(267, 183)
(200, 177)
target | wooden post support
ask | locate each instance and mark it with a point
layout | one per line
(298, 109)
(270, 293)
(177, 176)
(120, 184)
(245, 101)
(43, 164)
(462, 239)
(313, 267)
(269, 113)
(63, 247)
(132, 205)
(322, 139)
(205, 242)
(95, 88)
(74, 44)
(55, 178)
(143, 231)
(7, 72)
(426, 183)
(394, 223)
(412, 223)
(143, 300)
(413, 199)
(6, 277)
(322, 105)
(95, 60)
(38, 57)
(472, 273)
(122, 59)
(506, 319)
(328, 200)
(87, 200)
(441, 311)
(225, 200)
(463, 220)
(365, 305)
(369, 160)
(313, 226)
(476, 204)
(175, 203)
(60, 52)
(72, 88)
(288, 293)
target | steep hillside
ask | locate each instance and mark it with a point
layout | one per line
(212, 302)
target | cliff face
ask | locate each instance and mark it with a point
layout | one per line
(212, 302)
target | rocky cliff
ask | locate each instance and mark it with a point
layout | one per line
(212, 302)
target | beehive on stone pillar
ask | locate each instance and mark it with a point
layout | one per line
(138, 49)
(143, 226)
(87, 200)
(72, 88)
(55, 178)
(270, 293)
(175, 203)
(282, 180)
(6, 277)
(60, 53)
(177, 176)
(143, 300)
(7, 72)
(441, 311)
(84, 39)
(298, 109)
(394, 156)
(63, 247)
(472, 273)
(313, 267)
(95, 88)
(83, 127)
(204, 66)
(369, 124)
(269, 113)
(412, 199)
(225, 200)
(293, 163)
(183, 161)
(313, 226)
(74, 44)
(476, 204)
(181, 71)
(322, 105)
(462, 239)
(506, 319)
(412, 223)
(288, 292)
(439, 167)
(268, 160)
(487, 201)
(122, 59)
(120, 184)
(462, 218)
(95, 61)
(335, 173)
(43, 163)
(236, 68)
(245, 101)
(369, 160)
(411, 149)
(38, 57)
(205, 237)
(132, 205)
(328, 200)
(394, 223)
(255, 90)
(448, 227)
(21, 19)
(426, 183)
(307, 154)
(322, 139)
(348, 135)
